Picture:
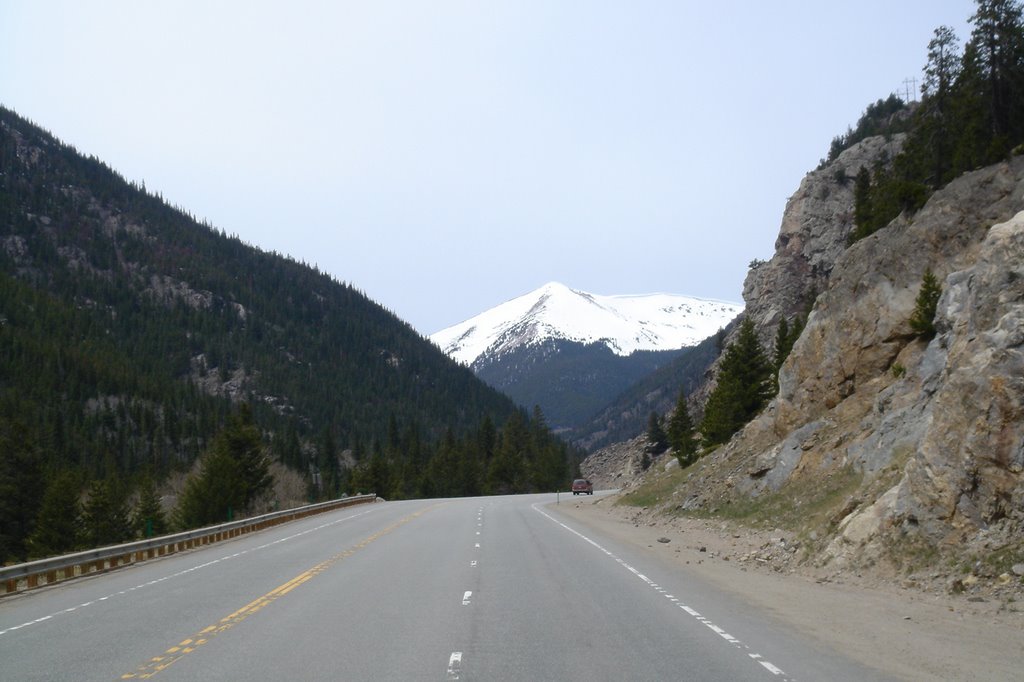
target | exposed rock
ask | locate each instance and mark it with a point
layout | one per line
(921, 440)
(940, 445)
(815, 231)
(619, 465)
(169, 291)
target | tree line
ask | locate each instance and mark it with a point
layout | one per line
(971, 115)
(44, 511)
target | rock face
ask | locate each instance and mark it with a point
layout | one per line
(932, 431)
(815, 231)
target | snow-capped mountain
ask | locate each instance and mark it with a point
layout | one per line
(555, 312)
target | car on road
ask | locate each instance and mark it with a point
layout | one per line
(582, 486)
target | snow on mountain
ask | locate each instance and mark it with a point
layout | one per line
(554, 311)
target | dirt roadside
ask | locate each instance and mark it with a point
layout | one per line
(904, 632)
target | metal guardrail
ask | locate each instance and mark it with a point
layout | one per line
(32, 574)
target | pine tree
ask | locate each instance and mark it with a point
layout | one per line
(785, 339)
(234, 474)
(105, 519)
(58, 526)
(922, 320)
(149, 519)
(506, 471)
(863, 216)
(549, 465)
(744, 386)
(935, 115)
(212, 495)
(328, 466)
(680, 433)
(242, 440)
(657, 440)
(380, 476)
(21, 490)
(998, 48)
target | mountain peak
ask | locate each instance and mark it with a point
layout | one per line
(624, 323)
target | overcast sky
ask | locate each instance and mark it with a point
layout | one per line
(444, 157)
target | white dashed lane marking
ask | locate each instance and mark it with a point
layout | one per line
(455, 665)
(774, 670)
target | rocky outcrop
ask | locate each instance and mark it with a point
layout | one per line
(965, 473)
(815, 231)
(932, 431)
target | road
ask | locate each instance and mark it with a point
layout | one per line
(494, 588)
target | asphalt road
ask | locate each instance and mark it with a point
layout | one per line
(496, 588)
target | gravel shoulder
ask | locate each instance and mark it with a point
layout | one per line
(903, 631)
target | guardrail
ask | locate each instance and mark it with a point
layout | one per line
(32, 574)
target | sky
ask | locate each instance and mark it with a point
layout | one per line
(444, 156)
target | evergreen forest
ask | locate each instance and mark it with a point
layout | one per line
(138, 344)
(971, 114)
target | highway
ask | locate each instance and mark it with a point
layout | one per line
(493, 588)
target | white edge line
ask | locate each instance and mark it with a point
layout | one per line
(714, 628)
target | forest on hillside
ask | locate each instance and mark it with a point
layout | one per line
(971, 115)
(136, 341)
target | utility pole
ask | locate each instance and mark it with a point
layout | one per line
(910, 88)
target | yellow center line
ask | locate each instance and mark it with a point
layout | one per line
(187, 646)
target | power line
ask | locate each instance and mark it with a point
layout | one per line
(910, 88)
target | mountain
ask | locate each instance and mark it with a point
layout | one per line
(624, 324)
(130, 332)
(571, 352)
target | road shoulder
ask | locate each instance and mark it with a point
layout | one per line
(906, 633)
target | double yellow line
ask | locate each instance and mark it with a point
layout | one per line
(187, 646)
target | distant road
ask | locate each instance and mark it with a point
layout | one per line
(493, 588)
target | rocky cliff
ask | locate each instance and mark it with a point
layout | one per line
(913, 448)
(815, 232)
(884, 449)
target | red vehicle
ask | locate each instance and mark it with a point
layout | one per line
(582, 486)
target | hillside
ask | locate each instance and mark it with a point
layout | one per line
(174, 299)
(884, 452)
(129, 332)
(657, 391)
(569, 381)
